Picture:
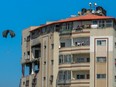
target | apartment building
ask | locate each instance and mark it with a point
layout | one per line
(79, 51)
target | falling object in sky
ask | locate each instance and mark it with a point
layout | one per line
(6, 32)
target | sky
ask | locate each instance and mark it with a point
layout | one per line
(20, 14)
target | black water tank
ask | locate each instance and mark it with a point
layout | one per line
(101, 9)
(83, 11)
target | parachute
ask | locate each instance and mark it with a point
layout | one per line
(6, 32)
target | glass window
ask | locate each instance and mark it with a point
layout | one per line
(101, 23)
(36, 53)
(60, 59)
(95, 22)
(101, 59)
(109, 23)
(81, 76)
(64, 75)
(62, 44)
(101, 42)
(64, 26)
(60, 75)
(64, 59)
(80, 60)
(101, 76)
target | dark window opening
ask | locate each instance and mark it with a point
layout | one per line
(52, 45)
(62, 44)
(52, 62)
(27, 83)
(88, 59)
(36, 53)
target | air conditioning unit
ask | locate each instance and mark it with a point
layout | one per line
(94, 26)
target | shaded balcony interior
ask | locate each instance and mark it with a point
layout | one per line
(81, 58)
(30, 68)
(36, 51)
(74, 58)
(67, 76)
(80, 41)
(80, 75)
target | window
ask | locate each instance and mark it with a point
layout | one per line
(64, 75)
(101, 76)
(88, 59)
(52, 62)
(28, 38)
(81, 76)
(23, 83)
(62, 44)
(95, 22)
(83, 60)
(101, 59)
(44, 78)
(36, 53)
(101, 42)
(101, 23)
(64, 59)
(79, 60)
(52, 46)
(27, 83)
(109, 23)
(115, 78)
(88, 76)
(51, 78)
(115, 44)
(67, 58)
(60, 59)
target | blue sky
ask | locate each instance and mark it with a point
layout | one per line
(20, 14)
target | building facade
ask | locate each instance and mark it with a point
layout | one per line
(78, 51)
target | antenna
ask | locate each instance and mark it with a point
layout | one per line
(95, 4)
(92, 5)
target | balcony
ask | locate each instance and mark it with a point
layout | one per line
(72, 61)
(75, 45)
(80, 77)
(35, 41)
(76, 29)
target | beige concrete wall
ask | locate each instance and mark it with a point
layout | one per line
(56, 57)
(96, 51)
(25, 33)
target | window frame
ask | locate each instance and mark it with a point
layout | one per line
(101, 60)
(101, 42)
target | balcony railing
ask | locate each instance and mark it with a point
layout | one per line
(64, 81)
(81, 81)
